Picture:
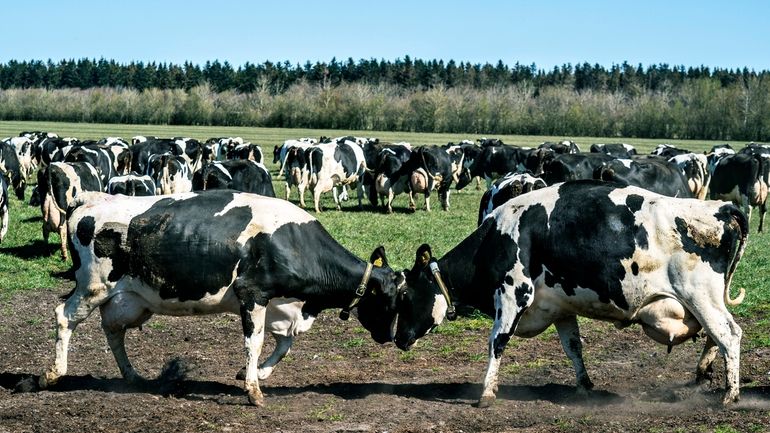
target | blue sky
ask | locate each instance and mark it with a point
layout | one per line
(547, 33)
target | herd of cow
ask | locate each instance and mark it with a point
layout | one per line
(608, 234)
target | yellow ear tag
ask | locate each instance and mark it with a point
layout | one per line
(378, 262)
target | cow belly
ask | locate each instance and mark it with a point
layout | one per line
(667, 321)
(223, 301)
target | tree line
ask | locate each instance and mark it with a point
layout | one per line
(658, 101)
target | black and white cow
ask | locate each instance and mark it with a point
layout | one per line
(24, 151)
(142, 151)
(238, 174)
(507, 187)
(59, 184)
(561, 147)
(388, 180)
(337, 163)
(170, 173)
(4, 209)
(588, 248)
(249, 151)
(565, 167)
(495, 161)
(98, 156)
(136, 258)
(428, 168)
(649, 172)
(11, 168)
(668, 151)
(618, 150)
(280, 152)
(132, 184)
(743, 179)
(694, 167)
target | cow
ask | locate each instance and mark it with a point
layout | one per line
(170, 173)
(388, 182)
(743, 179)
(136, 258)
(11, 168)
(98, 156)
(280, 152)
(507, 187)
(561, 147)
(498, 160)
(142, 151)
(428, 168)
(4, 210)
(564, 167)
(60, 183)
(649, 172)
(132, 184)
(668, 151)
(694, 167)
(618, 150)
(332, 164)
(24, 147)
(248, 151)
(589, 248)
(238, 174)
(295, 169)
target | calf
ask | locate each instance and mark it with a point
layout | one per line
(141, 261)
(60, 183)
(132, 184)
(743, 179)
(507, 187)
(238, 174)
(588, 248)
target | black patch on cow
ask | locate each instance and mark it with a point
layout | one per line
(499, 344)
(635, 268)
(85, 230)
(495, 257)
(523, 294)
(183, 255)
(509, 280)
(499, 314)
(502, 289)
(347, 157)
(640, 236)
(716, 256)
(107, 244)
(634, 202)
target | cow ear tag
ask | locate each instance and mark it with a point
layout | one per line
(378, 262)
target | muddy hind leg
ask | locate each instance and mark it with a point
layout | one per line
(282, 347)
(569, 334)
(121, 312)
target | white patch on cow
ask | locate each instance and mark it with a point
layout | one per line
(626, 162)
(282, 212)
(507, 215)
(440, 307)
(285, 317)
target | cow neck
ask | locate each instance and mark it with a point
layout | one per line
(458, 268)
(340, 278)
(359, 293)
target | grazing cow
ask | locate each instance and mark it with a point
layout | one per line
(281, 152)
(332, 164)
(3, 208)
(12, 169)
(507, 187)
(296, 172)
(141, 261)
(191, 150)
(98, 156)
(499, 160)
(743, 179)
(388, 180)
(588, 248)
(132, 184)
(564, 167)
(562, 147)
(60, 183)
(650, 172)
(694, 167)
(238, 174)
(618, 150)
(170, 173)
(142, 151)
(24, 151)
(51, 149)
(668, 151)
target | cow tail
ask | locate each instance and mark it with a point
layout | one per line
(739, 246)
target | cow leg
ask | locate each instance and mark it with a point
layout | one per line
(762, 210)
(412, 205)
(288, 190)
(63, 238)
(704, 369)
(68, 315)
(722, 328)
(336, 197)
(511, 300)
(569, 334)
(427, 201)
(444, 195)
(390, 200)
(121, 312)
(282, 348)
(360, 193)
(316, 198)
(253, 320)
(301, 187)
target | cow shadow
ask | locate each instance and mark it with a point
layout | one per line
(35, 250)
(33, 219)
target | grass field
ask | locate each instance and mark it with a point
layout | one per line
(26, 263)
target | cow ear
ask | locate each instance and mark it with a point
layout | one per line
(378, 258)
(423, 256)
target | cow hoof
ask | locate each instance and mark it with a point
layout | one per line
(485, 401)
(48, 379)
(730, 398)
(256, 398)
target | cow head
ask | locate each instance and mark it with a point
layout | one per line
(378, 307)
(422, 305)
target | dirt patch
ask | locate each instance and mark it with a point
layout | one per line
(337, 379)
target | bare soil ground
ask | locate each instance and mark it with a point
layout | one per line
(337, 379)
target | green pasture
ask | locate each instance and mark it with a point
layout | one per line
(27, 263)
